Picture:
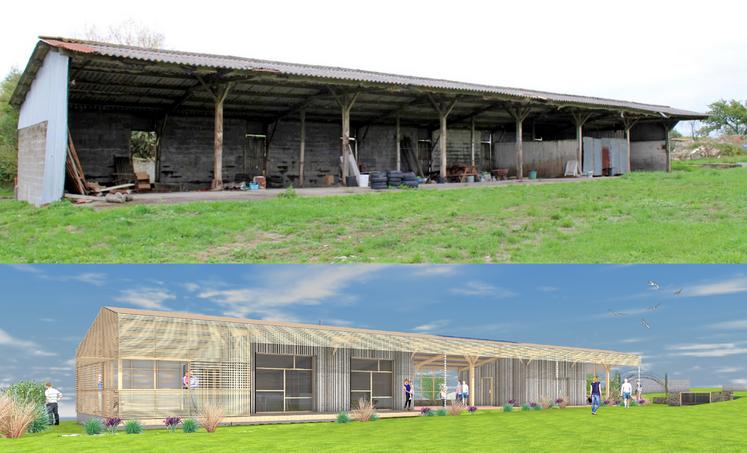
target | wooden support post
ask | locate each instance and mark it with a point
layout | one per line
(607, 380)
(668, 138)
(443, 110)
(519, 116)
(345, 102)
(471, 369)
(219, 96)
(399, 151)
(302, 150)
(628, 124)
(472, 143)
(580, 120)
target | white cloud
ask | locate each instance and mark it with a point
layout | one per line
(737, 324)
(288, 287)
(729, 286)
(150, 298)
(708, 349)
(632, 340)
(548, 289)
(26, 268)
(191, 287)
(739, 381)
(729, 369)
(7, 339)
(430, 327)
(91, 278)
(475, 288)
(427, 270)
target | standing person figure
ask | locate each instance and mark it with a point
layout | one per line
(407, 387)
(465, 392)
(639, 390)
(596, 395)
(626, 391)
(52, 397)
(458, 394)
(443, 393)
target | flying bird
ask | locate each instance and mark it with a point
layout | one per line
(616, 314)
(678, 292)
(645, 324)
(654, 307)
(653, 284)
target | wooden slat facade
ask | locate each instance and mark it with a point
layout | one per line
(220, 353)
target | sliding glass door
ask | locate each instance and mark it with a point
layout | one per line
(372, 380)
(283, 383)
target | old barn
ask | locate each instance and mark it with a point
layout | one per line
(213, 121)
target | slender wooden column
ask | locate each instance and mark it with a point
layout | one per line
(345, 102)
(219, 97)
(519, 116)
(580, 120)
(668, 137)
(443, 109)
(302, 150)
(399, 151)
(472, 143)
(628, 124)
(607, 377)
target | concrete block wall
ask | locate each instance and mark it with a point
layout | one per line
(321, 155)
(458, 148)
(32, 149)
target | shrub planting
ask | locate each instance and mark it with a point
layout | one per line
(41, 420)
(514, 403)
(456, 408)
(526, 407)
(343, 417)
(133, 427)
(172, 422)
(190, 425)
(508, 407)
(561, 403)
(425, 411)
(442, 412)
(112, 424)
(641, 401)
(365, 411)
(472, 409)
(15, 416)
(93, 426)
(210, 417)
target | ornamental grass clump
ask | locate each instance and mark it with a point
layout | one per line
(41, 420)
(508, 407)
(15, 416)
(526, 407)
(112, 424)
(210, 417)
(343, 417)
(133, 427)
(93, 426)
(442, 412)
(172, 422)
(365, 411)
(456, 408)
(535, 406)
(190, 425)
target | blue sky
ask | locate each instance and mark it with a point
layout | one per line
(700, 334)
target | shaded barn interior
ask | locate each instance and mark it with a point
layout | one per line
(219, 119)
(148, 365)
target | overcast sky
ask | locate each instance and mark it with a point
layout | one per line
(680, 53)
(698, 334)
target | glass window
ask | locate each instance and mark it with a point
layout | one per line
(298, 404)
(382, 384)
(168, 379)
(274, 361)
(364, 364)
(298, 383)
(360, 381)
(385, 365)
(269, 380)
(303, 362)
(269, 401)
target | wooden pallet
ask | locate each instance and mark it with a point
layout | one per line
(74, 168)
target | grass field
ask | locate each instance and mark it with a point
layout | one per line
(717, 427)
(695, 216)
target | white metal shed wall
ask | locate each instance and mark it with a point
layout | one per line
(45, 102)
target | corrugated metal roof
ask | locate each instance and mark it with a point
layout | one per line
(330, 73)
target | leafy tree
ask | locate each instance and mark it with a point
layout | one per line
(8, 125)
(726, 117)
(128, 32)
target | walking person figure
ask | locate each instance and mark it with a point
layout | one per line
(407, 387)
(626, 391)
(458, 394)
(639, 390)
(596, 395)
(52, 397)
(465, 392)
(443, 393)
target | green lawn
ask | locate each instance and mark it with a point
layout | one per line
(695, 217)
(715, 427)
